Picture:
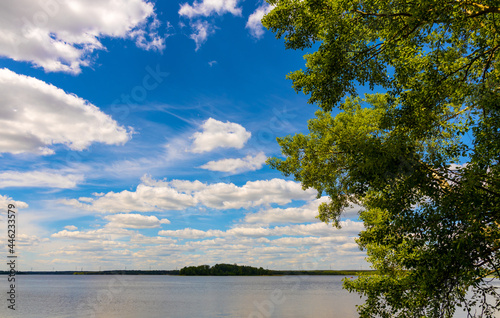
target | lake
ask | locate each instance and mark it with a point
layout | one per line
(60, 296)
(127, 296)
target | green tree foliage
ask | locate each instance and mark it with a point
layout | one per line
(223, 270)
(421, 156)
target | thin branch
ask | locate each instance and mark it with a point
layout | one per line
(385, 15)
(489, 61)
(489, 10)
(437, 173)
(452, 116)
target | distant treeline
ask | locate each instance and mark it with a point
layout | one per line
(204, 270)
(236, 270)
(324, 272)
(223, 270)
(131, 272)
(110, 272)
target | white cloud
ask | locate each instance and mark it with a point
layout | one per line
(191, 233)
(217, 134)
(152, 195)
(184, 186)
(6, 200)
(253, 193)
(157, 240)
(249, 163)
(39, 179)
(254, 24)
(303, 246)
(305, 213)
(61, 36)
(210, 7)
(313, 229)
(85, 199)
(134, 221)
(28, 240)
(107, 234)
(35, 115)
(202, 30)
(309, 240)
(71, 228)
(143, 199)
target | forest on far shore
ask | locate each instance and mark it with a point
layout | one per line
(237, 270)
(204, 270)
(223, 270)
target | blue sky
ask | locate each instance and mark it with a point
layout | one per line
(134, 134)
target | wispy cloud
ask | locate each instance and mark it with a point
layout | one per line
(202, 28)
(39, 179)
(254, 24)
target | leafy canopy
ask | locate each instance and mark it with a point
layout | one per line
(421, 156)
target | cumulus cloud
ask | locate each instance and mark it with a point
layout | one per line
(184, 186)
(27, 240)
(217, 134)
(143, 199)
(71, 228)
(39, 179)
(254, 24)
(313, 229)
(191, 233)
(310, 240)
(305, 213)
(253, 193)
(134, 221)
(249, 163)
(292, 246)
(61, 36)
(210, 7)
(99, 234)
(6, 200)
(156, 240)
(151, 196)
(35, 115)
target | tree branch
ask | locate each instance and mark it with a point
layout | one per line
(486, 11)
(385, 15)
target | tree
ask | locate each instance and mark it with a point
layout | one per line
(421, 156)
(223, 270)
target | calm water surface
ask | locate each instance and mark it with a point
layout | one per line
(180, 296)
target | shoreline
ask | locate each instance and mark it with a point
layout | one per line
(177, 272)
